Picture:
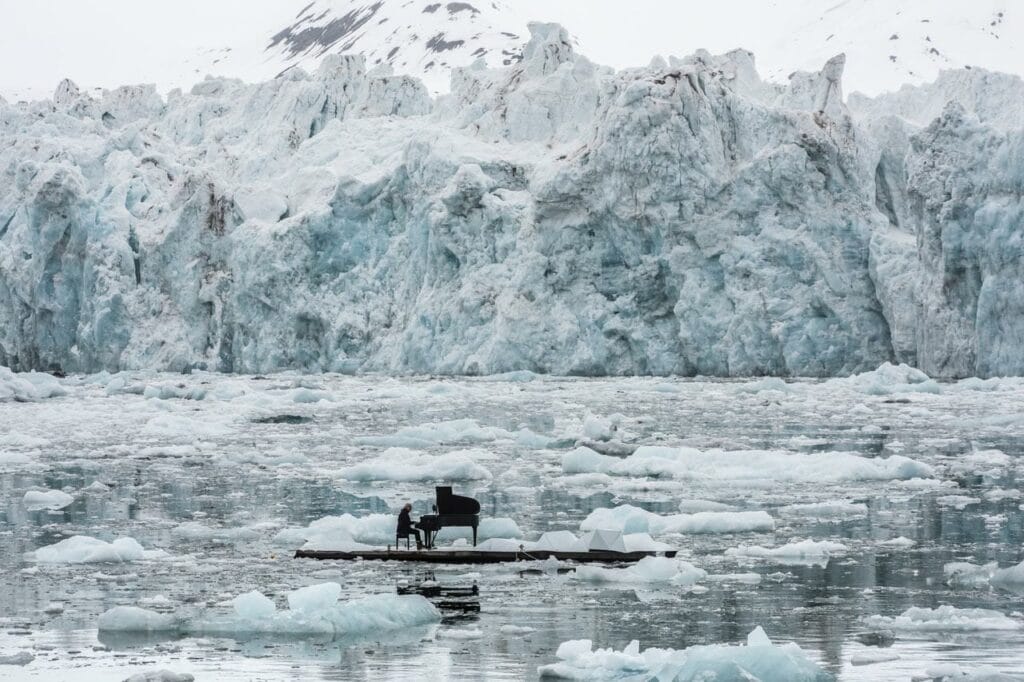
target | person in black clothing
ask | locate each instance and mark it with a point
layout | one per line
(405, 526)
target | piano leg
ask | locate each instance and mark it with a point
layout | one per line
(474, 536)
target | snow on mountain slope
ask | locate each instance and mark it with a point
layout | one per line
(553, 215)
(420, 37)
(887, 42)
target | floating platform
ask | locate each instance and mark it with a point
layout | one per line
(469, 556)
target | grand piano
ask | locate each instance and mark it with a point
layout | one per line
(449, 511)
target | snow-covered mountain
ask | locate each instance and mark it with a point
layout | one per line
(887, 42)
(413, 37)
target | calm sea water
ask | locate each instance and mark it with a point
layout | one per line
(168, 461)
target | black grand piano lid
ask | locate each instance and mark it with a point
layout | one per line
(448, 503)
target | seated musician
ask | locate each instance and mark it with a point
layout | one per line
(405, 525)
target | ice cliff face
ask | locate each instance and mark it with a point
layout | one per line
(553, 216)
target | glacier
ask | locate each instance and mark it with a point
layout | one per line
(552, 216)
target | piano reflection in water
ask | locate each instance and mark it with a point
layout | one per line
(449, 511)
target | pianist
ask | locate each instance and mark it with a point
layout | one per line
(405, 526)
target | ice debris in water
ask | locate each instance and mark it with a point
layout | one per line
(457, 431)
(797, 550)
(964, 574)
(693, 506)
(461, 633)
(312, 610)
(763, 385)
(758, 661)
(136, 619)
(824, 510)
(20, 658)
(873, 657)
(630, 519)
(741, 466)
(82, 549)
(647, 570)
(194, 530)
(600, 428)
(401, 464)
(47, 499)
(160, 676)
(28, 386)
(567, 541)
(517, 629)
(945, 618)
(889, 379)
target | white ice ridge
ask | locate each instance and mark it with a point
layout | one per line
(47, 499)
(313, 610)
(552, 216)
(758, 661)
(647, 570)
(26, 386)
(462, 431)
(796, 551)
(964, 574)
(81, 549)
(401, 464)
(945, 618)
(630, 519)
(742, 466)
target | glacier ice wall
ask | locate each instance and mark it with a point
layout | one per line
(554, 216)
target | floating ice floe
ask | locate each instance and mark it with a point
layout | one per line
(194, 530)
(47, 499)
(873, 657)
(597, 428)
(647, 570)
(136, 619)
(170, 390)
(20, 658)
(1000, 494)
(826, 510)
(457, 431)
(797, 551)
(768, 384)
(889, 379)
(964, 574)
(186, 427)
(517, 629)
(461, 633)
(28, 386)
(957, 501)
(82, 549)
(897, 543)
(14, 459)
(630, 519)
(945, 618)
(567, 541)
(160, 676)
(694, 506)
(313, 610)
(401, 464)
(53, 608)
(758, 661)
(758, 467)
(954, 672)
